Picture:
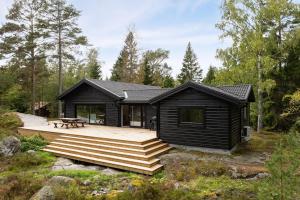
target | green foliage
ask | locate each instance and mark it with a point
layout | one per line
(14, 98)
(291, 109)
(264, 52)
(190, 70)
(223, 187)
(80, 174)
(126, 67)
(35, 143)
(68, 192)
(10, 121)
(25, 161)
(20, 186)
(210, 76)
(6, 132)
(148, 72)
(284, 169)
(93, 65)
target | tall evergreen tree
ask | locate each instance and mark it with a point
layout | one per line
(190, 70)
(94, 65)
(126, 67)
(62, 24)
(117, 72)
(168, 80)
(148, 72)
(210, 76)
(23, 40)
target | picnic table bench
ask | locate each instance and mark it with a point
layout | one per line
(67, 122)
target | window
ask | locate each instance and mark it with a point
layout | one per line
(191, 115)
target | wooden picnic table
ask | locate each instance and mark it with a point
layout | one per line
(70, 121)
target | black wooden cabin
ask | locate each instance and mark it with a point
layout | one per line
(191, 115)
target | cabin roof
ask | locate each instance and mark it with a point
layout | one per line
(235, 94)
(138, 93)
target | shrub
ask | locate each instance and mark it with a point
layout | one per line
(20, 186)
(28, 160)
(6, 132)
(32, 143)
(284, 168)
(68, 192)
(10, 121)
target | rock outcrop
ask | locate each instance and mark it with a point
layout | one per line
(9, 146)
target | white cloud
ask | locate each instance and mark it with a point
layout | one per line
(105, 24)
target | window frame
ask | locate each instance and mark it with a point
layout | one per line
(180, 123)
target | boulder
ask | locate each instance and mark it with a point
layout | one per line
(46, 193)
(9, 146)
(31, 151)
(61, 180)
(66, 164)
(110, 172)
(86, 182)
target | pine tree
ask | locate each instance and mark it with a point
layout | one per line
(148, 72)
(93, 65)
(126, 67)
(210, 76)
(117, 72)
(190, 70)
(62, 24)
(23, 40)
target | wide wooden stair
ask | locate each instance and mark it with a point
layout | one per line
(141, 157)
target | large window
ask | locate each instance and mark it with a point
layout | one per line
(93, 114)
(191, 115)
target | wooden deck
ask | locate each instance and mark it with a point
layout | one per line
(131, 149)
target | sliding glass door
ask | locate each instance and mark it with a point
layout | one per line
(132, 115)
(136, 115)
(92, 114)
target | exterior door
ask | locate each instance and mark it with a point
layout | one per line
(132, 115)
(125, 115)
(92, 114)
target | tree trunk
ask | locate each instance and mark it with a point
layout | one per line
(60, 82)
(33, 82)
(260, 97)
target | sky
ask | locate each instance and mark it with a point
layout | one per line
(167, 24)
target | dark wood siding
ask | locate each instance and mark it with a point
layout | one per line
(215, 133)
(150, 111)
(235, 114)
(86, 94)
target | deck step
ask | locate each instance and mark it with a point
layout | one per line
(113, 152)
(134, 150)
(110, 139)
(143, 163)
(119, 144)
(109, 163)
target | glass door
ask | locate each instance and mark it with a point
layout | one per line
(92, 114)
(82, 112)
(136, 115)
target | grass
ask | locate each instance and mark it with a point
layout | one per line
(79, 174)
(25, 162)
(260, 142)
(10, 121)
(222, 186)
(20, 186)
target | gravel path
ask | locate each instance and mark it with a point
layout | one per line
(32, 120)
